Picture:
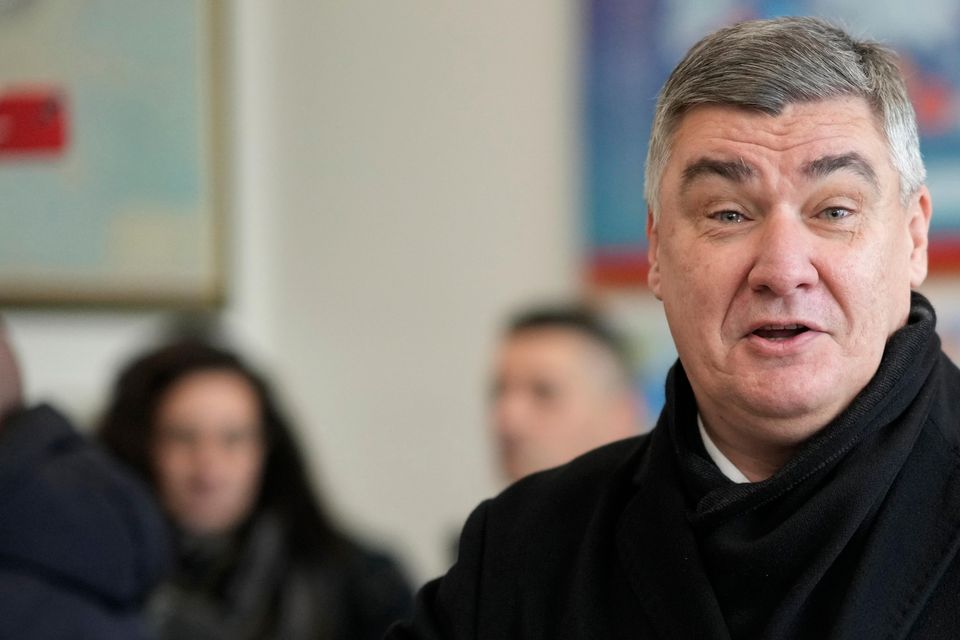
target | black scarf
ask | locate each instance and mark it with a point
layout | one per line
(799, 554)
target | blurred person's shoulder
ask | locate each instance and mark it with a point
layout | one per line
(360, 587)
(379, 591)
(79, 535)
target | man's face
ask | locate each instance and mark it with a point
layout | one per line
(208, 451)
(784, 257)
(555, 396)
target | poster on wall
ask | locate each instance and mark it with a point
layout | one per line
(631, 47)
(110, 176)
(633, 44)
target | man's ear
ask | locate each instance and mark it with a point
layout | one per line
(653, 245)
(918, 225)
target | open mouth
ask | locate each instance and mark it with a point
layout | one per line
(780, 331)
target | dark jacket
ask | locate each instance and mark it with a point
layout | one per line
(856, 537)
(81, 543)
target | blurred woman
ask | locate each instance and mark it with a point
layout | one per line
(258, 556)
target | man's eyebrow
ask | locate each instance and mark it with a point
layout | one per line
(733, 170)
(824, 166)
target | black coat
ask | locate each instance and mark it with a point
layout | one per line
(856, 537)
(81, 543)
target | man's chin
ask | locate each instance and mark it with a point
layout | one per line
(789, 412)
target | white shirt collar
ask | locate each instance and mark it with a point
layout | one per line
(723, 463)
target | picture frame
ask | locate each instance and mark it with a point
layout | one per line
(112, 153)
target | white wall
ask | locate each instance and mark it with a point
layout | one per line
(404, 174)
(427, 183)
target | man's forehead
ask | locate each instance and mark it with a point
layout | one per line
(548, 338)
(818, 138)
(795, 118)
(553, 346)
(740, 171)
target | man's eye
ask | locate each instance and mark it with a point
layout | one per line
(729, 216)
(835, 213)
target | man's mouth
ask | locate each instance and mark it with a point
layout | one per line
(780, 331)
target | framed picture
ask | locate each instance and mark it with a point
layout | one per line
(112, 153)
(631, 47)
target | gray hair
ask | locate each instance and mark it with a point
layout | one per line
(769, 64)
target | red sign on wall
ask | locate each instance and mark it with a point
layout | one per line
(33, 122)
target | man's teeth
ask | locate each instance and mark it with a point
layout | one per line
(780, 331)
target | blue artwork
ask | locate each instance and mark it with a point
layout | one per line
(632, 46)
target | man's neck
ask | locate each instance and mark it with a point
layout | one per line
(727, 468)
(755, 463)
(757, 450)
(758, 445)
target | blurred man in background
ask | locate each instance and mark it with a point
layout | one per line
(81, 543)
(561, 388)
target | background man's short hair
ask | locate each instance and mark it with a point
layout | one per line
(577, 319)
(768, 64)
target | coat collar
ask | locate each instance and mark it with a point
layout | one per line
(888, 569)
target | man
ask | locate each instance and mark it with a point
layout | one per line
(561, 388)
(803, 480)
(81, 544)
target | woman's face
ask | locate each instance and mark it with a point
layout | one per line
(208, 451)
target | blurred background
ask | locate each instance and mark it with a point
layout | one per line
(361, 193)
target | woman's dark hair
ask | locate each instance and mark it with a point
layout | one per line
(127, 424)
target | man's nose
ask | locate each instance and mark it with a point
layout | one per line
(783, 260)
